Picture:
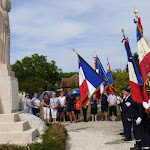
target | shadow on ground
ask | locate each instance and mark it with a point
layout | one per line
(78, 129)
(115, 142)
(68, 146)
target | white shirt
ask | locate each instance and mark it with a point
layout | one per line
(112, 99)
(36, 101)
(61, 100)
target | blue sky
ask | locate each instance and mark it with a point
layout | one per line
(53, 27)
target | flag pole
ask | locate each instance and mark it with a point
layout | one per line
(100, 76)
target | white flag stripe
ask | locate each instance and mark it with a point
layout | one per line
(132, 74)
(143, 48)
(97, 70)
(81, 76)
(101, 88)
(91, 88)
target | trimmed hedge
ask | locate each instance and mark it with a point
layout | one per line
(53, 139)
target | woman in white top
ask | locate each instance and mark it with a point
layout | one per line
(54, 103)
(62, 108)
(36, 104)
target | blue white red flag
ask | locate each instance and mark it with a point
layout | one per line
(136, 82)
(89, 81)
(109, 74)
(144, 52)
(109, 78)
(100, 70)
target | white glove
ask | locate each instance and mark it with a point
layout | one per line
(149, 102)
(145, 105)
(138, 121)
(118, 102)
(128, 104)
(129, 119)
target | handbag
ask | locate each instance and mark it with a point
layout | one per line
(57, 107)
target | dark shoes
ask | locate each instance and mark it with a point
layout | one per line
(122, 133)
(137, 147)
(110, 120)
(127, 139)
(85, 121)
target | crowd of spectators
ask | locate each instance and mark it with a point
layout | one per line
(57, 107)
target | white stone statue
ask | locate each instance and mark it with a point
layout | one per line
(5, 7)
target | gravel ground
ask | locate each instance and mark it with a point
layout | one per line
(101, 135)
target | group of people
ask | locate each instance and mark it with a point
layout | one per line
(136, 116)
(56, 106)
(33, 105)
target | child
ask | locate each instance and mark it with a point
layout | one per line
(77, 108)
(94, 108)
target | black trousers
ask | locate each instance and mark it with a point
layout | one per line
(122, 121)
(127, 127)
(35, 111)
(145, 135)
(112, 109)
(84, 110)
(136, 132)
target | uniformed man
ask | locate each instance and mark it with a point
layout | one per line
(125, 108)
(130, 110)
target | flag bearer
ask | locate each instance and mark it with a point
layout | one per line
(130, 113)
(125, 108)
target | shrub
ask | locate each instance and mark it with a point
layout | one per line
(12, 147)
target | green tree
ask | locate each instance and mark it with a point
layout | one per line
(68, 74)
(136, 59)
(121, 79)
(36, 74)
(73, 86)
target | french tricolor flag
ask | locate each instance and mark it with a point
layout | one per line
(136, 83)
(100, 70)
(110, 78)
(144, 52)
(89, 81)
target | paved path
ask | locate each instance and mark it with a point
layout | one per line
(101, 135)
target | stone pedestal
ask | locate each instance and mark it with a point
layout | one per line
(9, 99)
(20, 128)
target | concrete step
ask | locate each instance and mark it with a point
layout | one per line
(7, 118)
(38, 140)
(18, 137)
(14, 126)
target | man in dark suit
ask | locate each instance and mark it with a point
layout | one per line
(125, 105)
(130, 110)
